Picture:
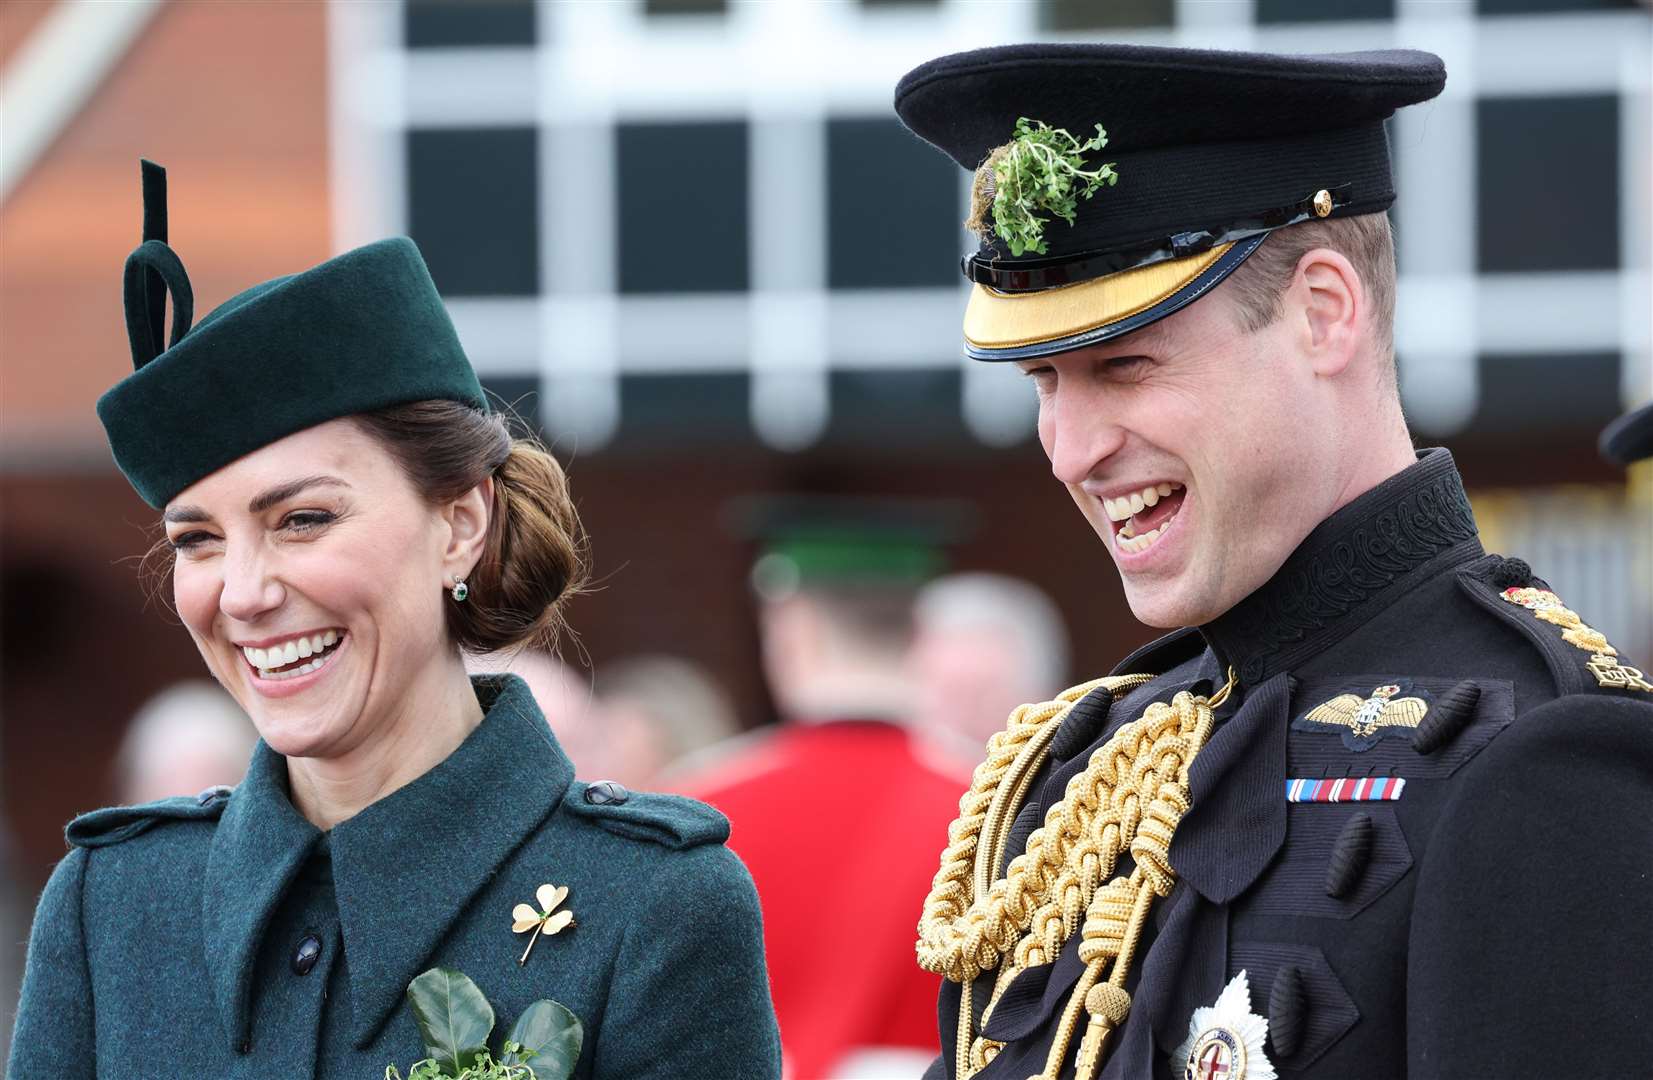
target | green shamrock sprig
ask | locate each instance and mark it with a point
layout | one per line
(1042, 170)
(456, 1022)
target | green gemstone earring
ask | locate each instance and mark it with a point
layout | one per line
(460, 590)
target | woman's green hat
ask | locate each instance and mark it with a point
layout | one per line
(362, 331)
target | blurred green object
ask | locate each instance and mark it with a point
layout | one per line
(837, 541)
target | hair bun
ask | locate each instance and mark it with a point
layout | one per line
(534, 559)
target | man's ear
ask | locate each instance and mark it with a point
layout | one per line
(1330, 305)
(467, 518)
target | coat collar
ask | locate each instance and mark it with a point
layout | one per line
(381, 858)
(1408, 528)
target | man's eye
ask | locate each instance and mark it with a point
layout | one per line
(1124, 365)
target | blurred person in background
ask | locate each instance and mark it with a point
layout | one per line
(983, 644)
(187, 739)
(657, 713)
(836, 810)
(346, 517)
(563, 693)
(1380, 797)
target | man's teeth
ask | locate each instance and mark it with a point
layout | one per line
(1137, 543)
(289, 652)
(1123, 507)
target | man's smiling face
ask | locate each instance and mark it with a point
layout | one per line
(1195, 449)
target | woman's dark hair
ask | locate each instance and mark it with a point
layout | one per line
(534, 557)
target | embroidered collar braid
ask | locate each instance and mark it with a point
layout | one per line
(1132, 793)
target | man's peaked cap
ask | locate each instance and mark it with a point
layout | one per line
(362, 331)
(1213, 150)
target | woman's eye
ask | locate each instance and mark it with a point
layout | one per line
(188, 541)
(307, 520)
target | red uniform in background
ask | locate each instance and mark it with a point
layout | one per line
(840, 824)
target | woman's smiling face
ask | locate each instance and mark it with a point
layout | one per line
(310, 574)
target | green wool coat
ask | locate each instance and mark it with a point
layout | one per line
(164, 944)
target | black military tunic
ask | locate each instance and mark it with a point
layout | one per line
(1478, 899)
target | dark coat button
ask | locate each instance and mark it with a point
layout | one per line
(306, 955)
(1511, 573)
(606, 793)
(212, 795)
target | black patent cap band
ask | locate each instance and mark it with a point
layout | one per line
(1033, 275)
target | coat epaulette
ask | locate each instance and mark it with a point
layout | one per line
(673, 821)
(115, 824)
(1579, 658)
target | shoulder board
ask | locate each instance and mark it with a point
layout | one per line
(1162, 654)
(114, 824)
(1579, 658)
(672, 821)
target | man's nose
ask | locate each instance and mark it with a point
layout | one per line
(1078, 432)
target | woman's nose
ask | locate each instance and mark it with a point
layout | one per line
(250, 588)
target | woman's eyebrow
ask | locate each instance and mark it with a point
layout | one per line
(286, 491)
(271, 497)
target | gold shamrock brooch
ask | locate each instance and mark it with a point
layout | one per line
(546, 921)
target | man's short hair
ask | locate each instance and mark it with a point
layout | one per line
(1366, 240)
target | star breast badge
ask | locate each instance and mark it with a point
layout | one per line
(1393, 709)
(1225, 1040)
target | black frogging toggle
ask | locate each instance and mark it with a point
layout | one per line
(1450, 714)
(1288, 1007)
(152, 271)
(1350, 855)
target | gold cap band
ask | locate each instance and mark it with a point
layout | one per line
(1001, 320)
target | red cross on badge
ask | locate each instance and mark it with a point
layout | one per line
(1214, 1062)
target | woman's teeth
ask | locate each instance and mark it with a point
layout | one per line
(272, 662)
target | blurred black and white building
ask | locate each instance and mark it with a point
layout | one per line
(696, 225)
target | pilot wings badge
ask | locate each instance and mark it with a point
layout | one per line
(1391, 710)
(1225, 1040)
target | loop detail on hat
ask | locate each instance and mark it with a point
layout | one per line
(363, 331)
(150, 268)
